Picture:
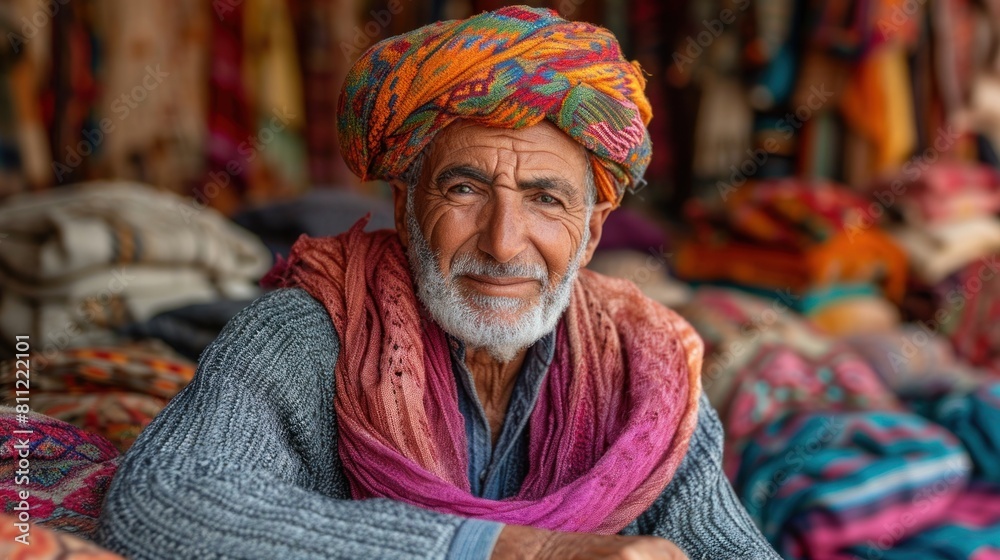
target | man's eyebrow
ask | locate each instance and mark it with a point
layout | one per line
(463, 171)
(549, 184)
(558, 184)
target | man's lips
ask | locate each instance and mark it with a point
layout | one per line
(512, 286)
(501, 280)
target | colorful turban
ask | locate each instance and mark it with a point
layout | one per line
(509, 68)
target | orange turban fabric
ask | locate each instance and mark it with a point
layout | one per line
(509, 68)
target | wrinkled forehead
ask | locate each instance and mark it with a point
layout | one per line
(538, 148)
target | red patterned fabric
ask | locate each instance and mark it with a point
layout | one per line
(68, 471)
(112, 391)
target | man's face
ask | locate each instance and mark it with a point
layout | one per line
(500, 221)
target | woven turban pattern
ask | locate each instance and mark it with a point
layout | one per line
(510, 68)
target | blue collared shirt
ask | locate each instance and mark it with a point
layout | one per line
(496, 472)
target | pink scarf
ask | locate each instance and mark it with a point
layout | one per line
(611, 425)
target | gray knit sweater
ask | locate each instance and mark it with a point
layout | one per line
(243, 463)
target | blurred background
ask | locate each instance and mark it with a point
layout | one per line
(821, 205)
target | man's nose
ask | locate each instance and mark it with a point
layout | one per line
(504, 229)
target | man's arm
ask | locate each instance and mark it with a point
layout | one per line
(698, 511)
(243, 462)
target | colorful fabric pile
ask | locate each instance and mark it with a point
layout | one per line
(944, 216)
(872, 446)
(114, 391)
(818, 483)
(796, 237)
(942, 192)
(69, 471)
(975, 419)
(971, 530)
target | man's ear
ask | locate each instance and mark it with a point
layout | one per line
(601, 212)
(399, 209)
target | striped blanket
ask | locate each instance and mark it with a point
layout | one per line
(883, 447)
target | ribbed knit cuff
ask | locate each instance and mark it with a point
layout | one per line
(474, 540)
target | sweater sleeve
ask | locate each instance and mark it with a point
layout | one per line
(698, 511)
(243, 462)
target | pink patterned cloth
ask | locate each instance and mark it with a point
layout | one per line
(68, 472)
(942, 193)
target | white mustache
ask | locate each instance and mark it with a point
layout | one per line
(466, 264)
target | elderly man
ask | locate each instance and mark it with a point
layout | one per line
(459, 387)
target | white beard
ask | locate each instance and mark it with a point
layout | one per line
(503, 326)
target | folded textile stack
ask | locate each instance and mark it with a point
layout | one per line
(797, 237)
(78, 261)
(951, 235)
(946, 216)
(944, 192)
(114, 391)
(937, 250)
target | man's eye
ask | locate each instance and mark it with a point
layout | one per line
(462, 189)
(547, 199)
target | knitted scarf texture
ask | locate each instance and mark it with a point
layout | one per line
(610, 427)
